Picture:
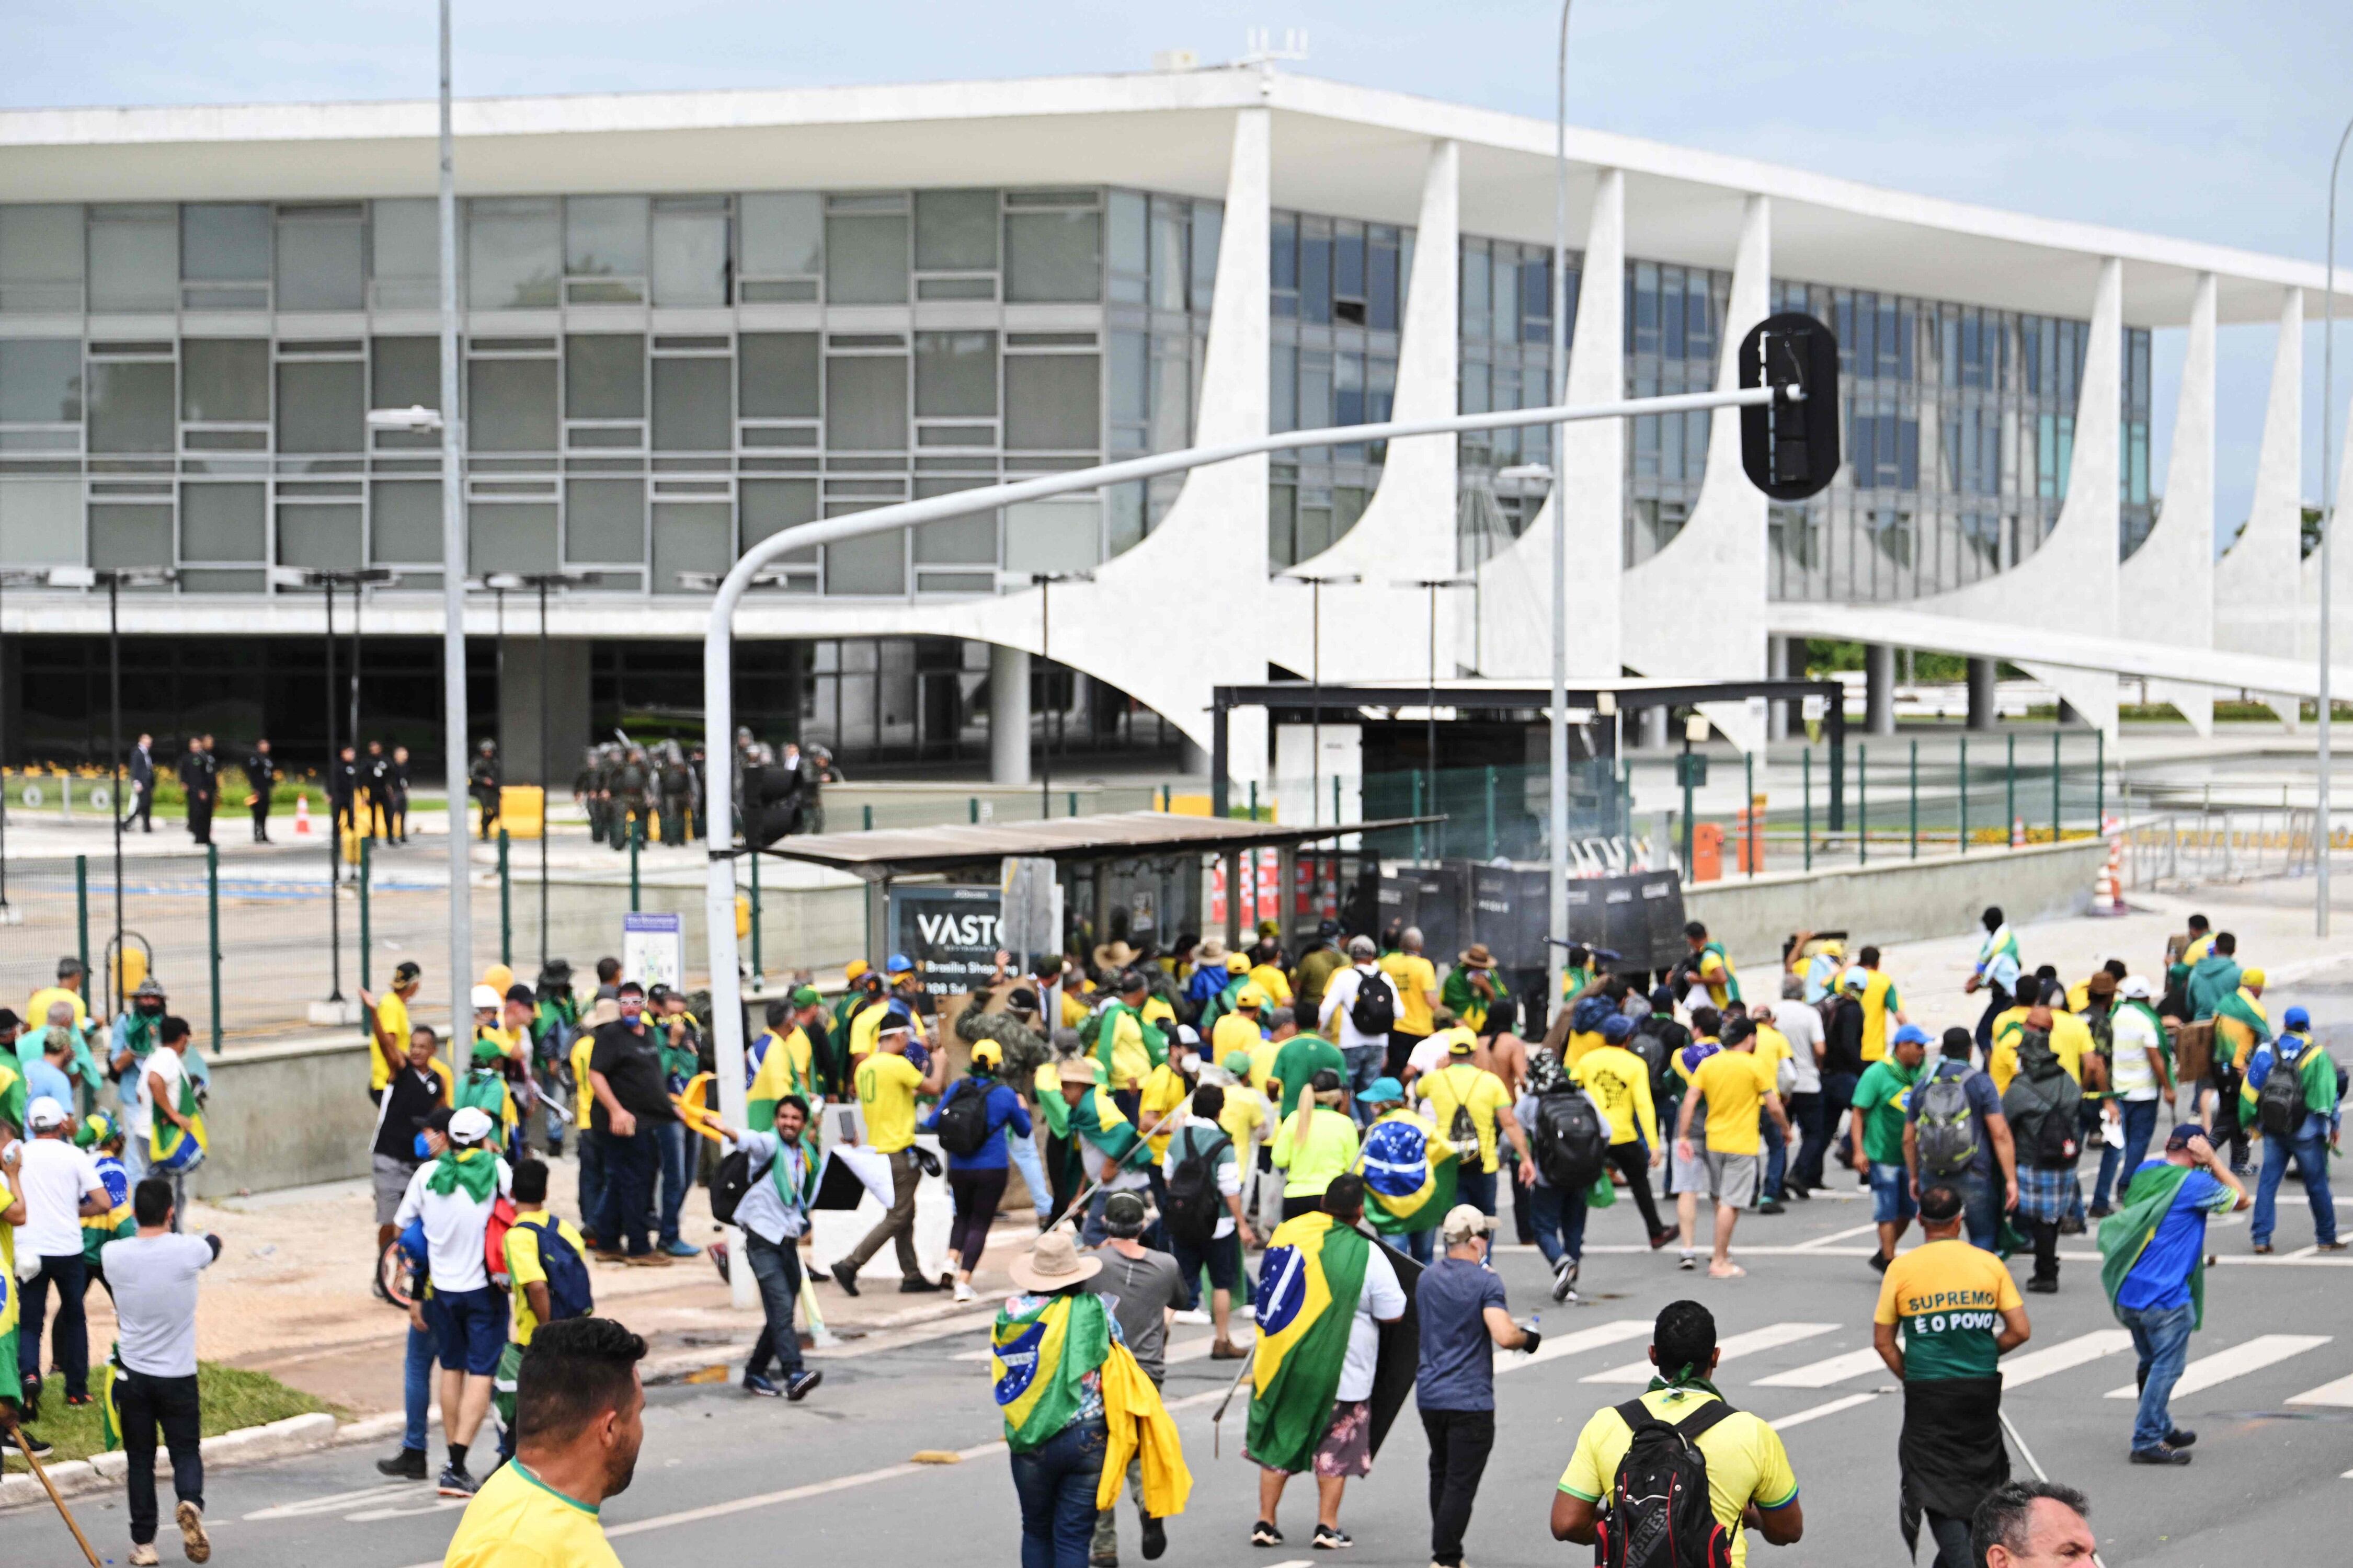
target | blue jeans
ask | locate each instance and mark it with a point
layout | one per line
(1476, 1188)
(778, 1270)
(1366, 1063)
(592, 1183)
(628, 1189)
(2139, 1125)
(1027, 1161)
(1776, 1156)
(2309, 1147)
(1980, 1210)
(2162, 1339)
(1558, 1216)
(1421, 1246)
(677, 1175)
(1056, 1483)
(417, 1374)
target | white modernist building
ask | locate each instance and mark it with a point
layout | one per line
(692, 318)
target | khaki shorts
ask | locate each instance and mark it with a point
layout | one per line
(1731, 1178)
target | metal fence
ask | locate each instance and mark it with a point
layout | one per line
(2229, 844)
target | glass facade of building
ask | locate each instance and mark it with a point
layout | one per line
(1337, 304)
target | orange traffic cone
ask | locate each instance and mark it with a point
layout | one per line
(301, 817)
(2018, 833)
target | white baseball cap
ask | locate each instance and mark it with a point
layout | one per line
(486, 996)
(469, 1126)
(45, 1114)
(1464, 1221)
(2134, 988)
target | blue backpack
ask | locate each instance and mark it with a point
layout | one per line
(568, 1295)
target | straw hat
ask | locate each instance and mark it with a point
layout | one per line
(1114, 955)
(1078, 1072)
(1212, 951)
(1476, 956)
(1053, 1263)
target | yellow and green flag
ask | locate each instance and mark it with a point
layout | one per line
(171, 1148)
(1408, 1173)
(1309, 1280)
(788, 1066)
(1037, 1361)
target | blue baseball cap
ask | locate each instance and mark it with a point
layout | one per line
(1913, 1035)
(2296, 1019)
(899, 963)
(1615, 1028)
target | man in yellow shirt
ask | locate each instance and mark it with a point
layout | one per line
(1619, 1083)
(1880, 1004)
(1415, 981)
(388, 1019)
(1243, 1029)
(531, 1240)
(1464, 1085)
(1711, 966)
(888, 1085)
(1748, 1475)
(1266, 973)
(579, 1422)
(1733, 1082)
(2071, 1040)
(68, 990)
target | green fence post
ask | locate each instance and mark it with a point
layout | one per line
(1074, 802)
(1915, 800)
(506, 899)
(866, 818)
(2009, 789)
(1862, 806)
(1491, 811)
(1166, 797)
(2100, 780)
(365, 981)
(1806, 822)
(756, 970)
(2054, 785)
(971, 809)
(212, 939)
(1965, 795)
(81, 912)
(1254, 803)
(1336, 797)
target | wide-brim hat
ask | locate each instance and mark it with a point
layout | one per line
(1476, 956)
(1114, 955)
(1077, 1072)
(2102, 984)
(1053, 1263)
(1212, 950)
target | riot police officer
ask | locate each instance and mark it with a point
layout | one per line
(632, 798)
(675, 783)
(483, 784)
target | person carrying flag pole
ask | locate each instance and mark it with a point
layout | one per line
(1409, 1170)
(1334, 1335)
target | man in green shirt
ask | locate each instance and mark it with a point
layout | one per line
(1316, 968)
(1880, 1101)
(1301, 1058)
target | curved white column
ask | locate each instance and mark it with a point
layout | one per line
(1718, 559)
(1377, 630)
(1515, 585)
(2250, 611)
(2168, 584)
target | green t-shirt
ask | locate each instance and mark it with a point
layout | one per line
(1949, 1297)
(1301, 1059)
(1879, 1100)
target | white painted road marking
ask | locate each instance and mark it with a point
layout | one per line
(2064, 1356)
(2340, 1392)
(1834, 1237)
(1818, 1411)
(1578, 1341)
(1822, 1374)
(334, 1501)
(2226, 1365)
(1765, 1339)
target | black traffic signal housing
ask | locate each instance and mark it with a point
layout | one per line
(772, 805)
(1790, 447)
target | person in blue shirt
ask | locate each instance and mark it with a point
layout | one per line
(774, 1214)
(977, 1181)
(2153, 1252)
(2308, 1141)
(51, 1072)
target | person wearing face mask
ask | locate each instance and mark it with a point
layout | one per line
(133, 1038)
(625, 1075)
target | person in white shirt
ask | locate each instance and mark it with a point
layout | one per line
(2137, 1074)
(1366, 1050)
(60, 1184)
(153, 1275)
(453, 1195)
(159, 1095)
(1801, 1084)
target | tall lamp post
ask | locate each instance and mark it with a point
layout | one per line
(1430, 713)
(2327, 532)
(1044, 583)
(1557, 753)
(1316, 582)
(505, 582)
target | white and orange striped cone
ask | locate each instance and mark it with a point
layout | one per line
(301, 817)
(2018, 833)
(2108, 888)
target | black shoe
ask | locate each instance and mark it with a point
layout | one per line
(2180, 1437)
(2039, 1287)
(846, 1276)
(32, 1444)
(755, 1384)
(918, 1286)
(1879, 1261)
(1803, 1194)
(1264, 1533)
(2099, 1211)
(1330, 1538)
(1770, 1206)
(409, 1465)
(2161, 1456)
(799, 1386)
(1156, 1538)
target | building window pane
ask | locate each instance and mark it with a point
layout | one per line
(511, 538)
(1053, 402)
(783, 235)
(691, 250)
(225, 380)
(958, 541)
(1131, 379)
(866, 403)
(134, 259)
(513, 248)
(605, 376)
(328, 536)
(131, 407)
(40, 381)
(1053, 257)
(874, 564)
(404, 254)
(605, 520)
(866, 258)
(777, 376)
(1208, 228)
(510, 406)
(40, 523)
(1168, 271)
(692, 411)
(320, 407)
(1126, 246)
(955, 372)
(131, 535)
(1053, 535)
(605, 237)
(406, 374)
(770, 505)
(221, 243)
(224, 522)
(956, 231)
(1315, 269)
(405, 525)
(40, 258)
(319, 262)
(692, 537)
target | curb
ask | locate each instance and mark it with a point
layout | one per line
(248, 1445)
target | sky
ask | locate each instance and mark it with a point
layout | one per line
(2212, 123)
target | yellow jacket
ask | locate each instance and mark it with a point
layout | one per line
(1139, 1423)
(1163, 1091)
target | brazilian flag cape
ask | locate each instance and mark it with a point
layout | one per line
(2241, 1008)
(109, 1408)
(2000, 943)
(2125, 1234)
(786, 1068)
(1408, 1173)
(1104, 1026)
(1040, 1359)
(172, 1149)
(1309, 1280)
(1098, 1120)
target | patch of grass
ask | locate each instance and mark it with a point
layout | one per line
(229, 1398)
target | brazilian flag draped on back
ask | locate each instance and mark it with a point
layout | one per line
(1408, 1173)
(174, 1149)
(1308, 1284)
(1037, 1361)
(2125, 1235)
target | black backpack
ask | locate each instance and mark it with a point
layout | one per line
(1570, 1147)
(2041, 1105)
(964, 1120)
(2279, 1104)
(568, 1294)
(1657, 1514)
(728, 1185)
(1190, 1210)
(1374, 1010)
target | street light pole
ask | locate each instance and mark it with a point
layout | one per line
(2321, 835)
(1430, 714)
(547, 771)
(1044, 583)
(335, 830)
(453, 582)
(114, 763)
(1557, 909)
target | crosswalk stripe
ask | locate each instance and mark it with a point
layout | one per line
(1818, 1411)
(1822, 1374)
(1769, 1337)
(2340, 1392)
(1594, 1338)
(333, 1501)
(1834, 1237)
(2067, 1354)
(2226, 1365)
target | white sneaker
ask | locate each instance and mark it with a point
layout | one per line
(1688, 1261)
(964, 1292)
(1247, 1312)
(1193, 1315)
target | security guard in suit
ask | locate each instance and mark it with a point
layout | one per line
(199, 778)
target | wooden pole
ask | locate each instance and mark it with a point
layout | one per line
(25, 1447)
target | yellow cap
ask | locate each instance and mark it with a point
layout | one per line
(854, 968)
(2250, 978)
(499, 978)
(1238, 962)
(986, 1053)
(1250, 996)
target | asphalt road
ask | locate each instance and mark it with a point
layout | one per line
(724, 1477)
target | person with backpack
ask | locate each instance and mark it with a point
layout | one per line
(1958, 1312)
(972, 1120)
(1472, 1110)
(1570, 1134)
(1619, 1081)
(547, 1271)
(770, 1204)
(1142, 1287)
(1360, 1009)
(2291, 1095)
(457, 1195)
(1955, 1135)
(1462, 1319)
(2042, 1105)
(1875, 1137)
(1710, 966)
(1668, 1479)
(1203, 1212)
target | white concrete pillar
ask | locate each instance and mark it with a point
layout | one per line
(1778, 719)
(1654, 728)
(2168, 582)
(2252, 611)
(1879, 688)
(1009, 715)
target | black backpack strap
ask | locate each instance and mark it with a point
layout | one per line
(1704, 1418)
(1636, 1414)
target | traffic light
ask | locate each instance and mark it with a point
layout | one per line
(1790, 447)
(771, 804)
